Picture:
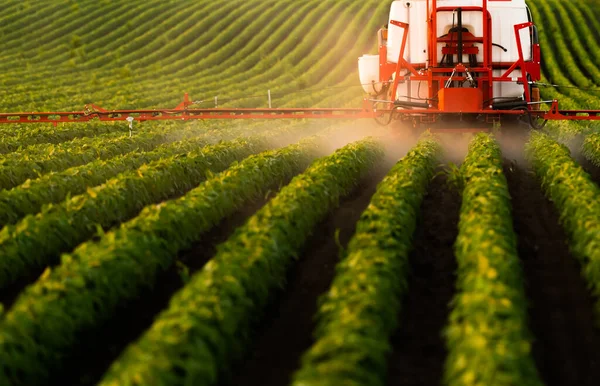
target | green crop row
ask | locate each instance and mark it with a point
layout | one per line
(358, 314)
(581, 41)
(100, 277)
(272, 73)
(38, 160)
(576, 198)
(193, 43)
(16, 136)
(96, 36)
(29, 197)
(591, 148)
(184, 58)
(558, 64)
(557, 43)
(15, 173)
(46, 151)
(207, 323)
(36, 241)
(487, 337)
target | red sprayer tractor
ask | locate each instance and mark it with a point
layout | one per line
(442, 64)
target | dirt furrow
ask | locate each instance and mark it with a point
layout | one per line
(560, 306)
(418, 347)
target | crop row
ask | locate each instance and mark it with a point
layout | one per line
(45, 151)
(576, 198)
(35, 161)
(207, 324)
(591, 148)
(358, 314)
(579, 37)
(100, 22)
(556, 66)
(100, 277)
(278, 72)
(16, 136)
(63, 156)
(189, 40)
(311, 54)
(36, 241)
(487, 337)
(557, 43)
(29, 197)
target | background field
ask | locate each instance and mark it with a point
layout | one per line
(198, 251)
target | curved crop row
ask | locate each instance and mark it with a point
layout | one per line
(553, 70)
(36, 241)
(198, 34)
(206, 323)
(165, 89)
(99, 277)
(576, 198)
(31, 196)
(310, 52)
(27, 20)
(358, 314)
(558, 44)
(101, 22)
(16, 168)
(45, 151)
(591, 148)
(194, 34)
(487, 337)
(583, 42)
(18, 136)
(57, 159)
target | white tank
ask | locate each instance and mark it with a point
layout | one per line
(368, 71)
(505, 14)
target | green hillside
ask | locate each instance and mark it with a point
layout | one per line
(140, 54)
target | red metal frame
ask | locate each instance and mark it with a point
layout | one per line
(437, 76)
(183, 112)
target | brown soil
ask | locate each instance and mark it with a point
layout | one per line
(418, 347)
(286, 330)
(560, 312)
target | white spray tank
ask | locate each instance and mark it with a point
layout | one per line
(368, 72)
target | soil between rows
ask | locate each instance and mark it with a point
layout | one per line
(560, 307)
(286, 331)
(418, 347)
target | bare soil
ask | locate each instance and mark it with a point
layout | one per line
(418, 347)
(560, 306)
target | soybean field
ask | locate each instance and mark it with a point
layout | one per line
(284, 252)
